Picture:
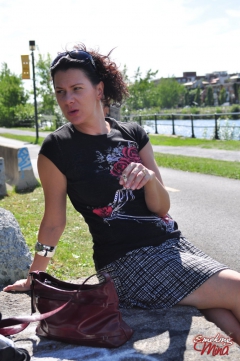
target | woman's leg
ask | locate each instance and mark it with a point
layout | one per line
(225, 320)
(219, 299)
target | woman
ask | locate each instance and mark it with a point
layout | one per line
(110, 175)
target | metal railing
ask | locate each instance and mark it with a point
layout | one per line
(213, 121)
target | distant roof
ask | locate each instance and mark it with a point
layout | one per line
(189, 83)
(214, 81)
(235, 77)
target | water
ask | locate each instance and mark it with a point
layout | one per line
(202, 128)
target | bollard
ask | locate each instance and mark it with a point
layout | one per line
(26, 178)
(18, 167)
(3, 189)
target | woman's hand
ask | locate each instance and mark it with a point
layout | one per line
(147, 175)
(135, 176)
(19, 286)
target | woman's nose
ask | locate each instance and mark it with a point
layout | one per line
(69, 98)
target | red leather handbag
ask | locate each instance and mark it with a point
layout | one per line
(83, 314)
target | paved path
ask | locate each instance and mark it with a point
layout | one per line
(219, 154)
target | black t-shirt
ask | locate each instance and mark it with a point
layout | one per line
(118, 219)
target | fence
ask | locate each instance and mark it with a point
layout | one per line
(227, 124)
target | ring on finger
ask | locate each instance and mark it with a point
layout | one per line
(124, 178)
(144, 171)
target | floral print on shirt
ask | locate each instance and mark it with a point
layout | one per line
(116, 160)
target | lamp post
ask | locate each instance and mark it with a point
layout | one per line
(32, 48)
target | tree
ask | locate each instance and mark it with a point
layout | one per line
(48, 104)
(187, 97)
(124, 74)
(192, 97)
(209, 96)
(13, 97)
(236, 92)
(197, 98)
(222, 96)
(141, 91)
(170, 92)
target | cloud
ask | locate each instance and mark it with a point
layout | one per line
(172, 36)
(233, 13)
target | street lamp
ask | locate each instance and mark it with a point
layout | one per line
(32, 48)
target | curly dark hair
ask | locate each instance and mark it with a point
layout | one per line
(115, 88)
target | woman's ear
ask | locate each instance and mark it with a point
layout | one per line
(100, 90)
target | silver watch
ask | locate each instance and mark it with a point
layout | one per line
(44, 250)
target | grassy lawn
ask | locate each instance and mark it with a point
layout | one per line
(219, 168)
(179, 141)
(23, 138)
(73, 257)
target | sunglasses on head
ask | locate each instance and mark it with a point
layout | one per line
(80, 55)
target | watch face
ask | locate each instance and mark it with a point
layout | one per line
(44, 250)
(38, 247)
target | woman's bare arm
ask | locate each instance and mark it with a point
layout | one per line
(54, 218)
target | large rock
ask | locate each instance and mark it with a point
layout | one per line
(15, 258)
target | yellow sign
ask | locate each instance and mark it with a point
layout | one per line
(25, 67)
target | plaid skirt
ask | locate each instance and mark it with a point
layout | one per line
(160, 277)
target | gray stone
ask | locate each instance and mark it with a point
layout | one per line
(15, 258)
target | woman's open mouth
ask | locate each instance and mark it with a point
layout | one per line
(73, 112)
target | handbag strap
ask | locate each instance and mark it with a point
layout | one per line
(104, 274)
(12, 325)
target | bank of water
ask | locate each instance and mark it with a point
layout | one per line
(201, 128)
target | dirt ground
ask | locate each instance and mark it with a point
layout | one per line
(19, 303)
(14, 303)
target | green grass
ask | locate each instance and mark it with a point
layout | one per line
(199, 165)
(155, 139)
(73, 257)
(177, 141)
(23, 138)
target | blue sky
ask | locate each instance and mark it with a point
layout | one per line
(171, 36)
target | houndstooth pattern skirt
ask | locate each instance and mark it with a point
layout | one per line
(160, 277)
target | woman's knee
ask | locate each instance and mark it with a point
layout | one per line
(222, 290)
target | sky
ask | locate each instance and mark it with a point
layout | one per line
(171, 36)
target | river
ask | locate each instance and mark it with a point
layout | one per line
(202, 128)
